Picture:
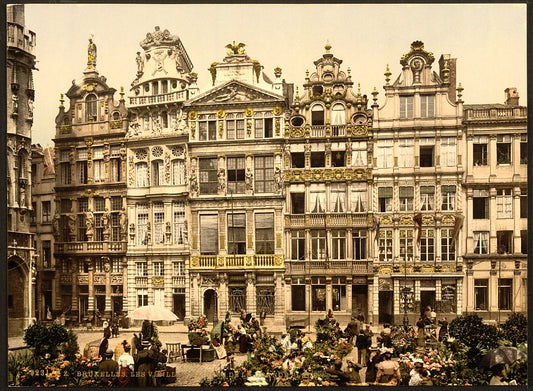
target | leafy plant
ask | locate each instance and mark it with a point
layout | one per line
(71, 347)
(17, 362)
(45, 340)
(518, 371)
(514, 329)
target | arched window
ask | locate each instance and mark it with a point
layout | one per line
(317, 115)
(90, 108)
(338, 115)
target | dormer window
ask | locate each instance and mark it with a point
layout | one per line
(90, 108)
(317, 115)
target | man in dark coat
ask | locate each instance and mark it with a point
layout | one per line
(352, 329)
(146, 361)
(108, 370)
(362, 345)
(103, 347)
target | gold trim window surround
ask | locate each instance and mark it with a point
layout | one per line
(385, 245)
(406, 244)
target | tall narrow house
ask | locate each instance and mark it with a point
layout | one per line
(20, 94)
(327, 176)
(90, 221)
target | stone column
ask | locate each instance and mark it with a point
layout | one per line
(517, 237)
(375, 299)
(250, 293)
(492, 215)
(329, 295)
(195, 294)
(371, 311)
(223, 296)
(459, 296)
(125, 286)
(74, 283)
(90, 299)
(468, 291)
(493, 289)
(107, 269)
(518, 303)
(349, 286)
(279, 307)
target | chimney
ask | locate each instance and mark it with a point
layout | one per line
(452, 74)
(511, 96)
(15, 14)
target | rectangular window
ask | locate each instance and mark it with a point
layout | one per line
(158, 173)
(481, 294)
(338, 197)
(448, 151)
(116, 265)
(448, 197)
(234, 128)
(47, 253)
(427, 197)
(359, 244)
(264, 233)
(236, 233)
(427, 106)
(505, 294)
(159, 269)
(318, 294)
(480, 150)
(318, 159)
(447, 247)
(65, 205)
(65, 173)
(318, 244)
(141, 269)
(83, 204)
(385, 153)
(523, 149)
(209, 234)
(427, 245)
(208, 176)
(481, 242)
(116, 170)
(406, 152)
(338, 159)
(406, 244)
(159, 223)
(46, 211)
(359, 153)
(385, 199)
(338, 294)
(264, 174)
(318, 198)
(207, 130)
(481, 204)
(116, 203)
(523, 242)
(178, 268)
(503, 149)
(385, 245)
(358, 200)
(406, 106)
(142, 224)
(82, 228)
(298, 203)
(406, 194)
(236, 175)
(298, 245)
(99, 204)
(142, 174)
(523, 203)
(505, 242)
(298, 297)
(82, 172)
(426, 156)
(297, 160)
(178, 172)
(115, 227)
(504, 203)
(179, 222)
(338, 244)
(142, 297)
(263, 128)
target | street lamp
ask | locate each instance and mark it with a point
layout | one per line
(407, 300)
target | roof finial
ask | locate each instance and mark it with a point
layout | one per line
(296, 97)
(460, 93)
(375, 96)
(122, 94)
(387, 75)
(61, 101)
(327, 47)
(91, 54)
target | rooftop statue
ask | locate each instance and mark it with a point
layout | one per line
(235, 48)
(91, 54)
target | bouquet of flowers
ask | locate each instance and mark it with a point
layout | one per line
(403, 339)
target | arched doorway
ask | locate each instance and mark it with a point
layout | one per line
(17, 289)
(210, 304)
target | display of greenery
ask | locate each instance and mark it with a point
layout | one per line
(44, 340)
(518, 371)
(403, 339)
(514, 329)
(149, 331)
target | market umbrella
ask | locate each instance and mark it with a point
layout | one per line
(506, 355)
(217, 329)
(152, 312)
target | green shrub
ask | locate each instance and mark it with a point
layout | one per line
(514, 329)
(45, 340)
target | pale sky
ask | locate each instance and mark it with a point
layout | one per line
(488, 40)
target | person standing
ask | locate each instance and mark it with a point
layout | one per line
(104, 345)
(362, 346)
(374, 359)
(443, 331)
(108, 370)
(352, 329)
(126, 365)
(421, 340)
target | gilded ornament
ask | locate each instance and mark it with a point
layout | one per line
(248, 112)
(193, 115)
(220, 128)
(406, 220)
(278, 126)
(385, 270)
(448, 219)
(248, 260)
(158, 281)
(221, 113)
(115, 124)
(277, 110)
(427, 220)
(278, 260)
(385, 220)
(195, 261)
(427, 269)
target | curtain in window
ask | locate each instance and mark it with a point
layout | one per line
(338, 192)
(338, 115)
(209, 234)
(142, 174)
(359, 197)
(318, 201)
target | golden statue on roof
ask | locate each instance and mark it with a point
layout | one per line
(91, 54)
(235, 48)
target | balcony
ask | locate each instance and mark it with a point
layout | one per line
(65, 278)
(89, 247)
(322, 131)
(329, 220)
(495, 113)
(328, 267)
(141, 281)
(21, 38)
(258, 261)
(178, 280)
(327, 174)
(178, 96)
(419, 267)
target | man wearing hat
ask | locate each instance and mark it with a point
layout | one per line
(419, 375)
(373, 359)
(108, 370)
